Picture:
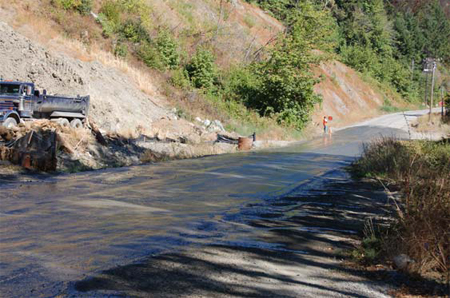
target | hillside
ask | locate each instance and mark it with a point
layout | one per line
(240, 31)
(67, 52)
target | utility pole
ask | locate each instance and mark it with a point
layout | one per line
(426, 88)
(429, 66)
(442, 102)
(432, 87)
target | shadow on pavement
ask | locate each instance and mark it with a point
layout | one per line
(308, 233)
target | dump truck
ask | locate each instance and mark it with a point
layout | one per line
(21, 101)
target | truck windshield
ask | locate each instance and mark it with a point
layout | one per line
(9, 89)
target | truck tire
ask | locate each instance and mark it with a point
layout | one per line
(10, 122)
(63, 122)
(76, 123)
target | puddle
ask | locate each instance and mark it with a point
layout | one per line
(89, 222)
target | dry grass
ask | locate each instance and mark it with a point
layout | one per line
(422, 171)
(435, 123)
(31, 22)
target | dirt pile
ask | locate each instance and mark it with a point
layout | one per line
(44, 145)
(117, 105)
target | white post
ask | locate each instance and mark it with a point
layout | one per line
(432, 88)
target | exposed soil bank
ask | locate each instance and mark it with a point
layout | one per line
(74, 150)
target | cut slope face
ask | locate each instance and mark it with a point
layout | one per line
(116, 103)
(346, 97)
(236, 29)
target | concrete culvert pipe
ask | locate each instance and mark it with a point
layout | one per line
(10, 123)
(76, 123)
(63, 122)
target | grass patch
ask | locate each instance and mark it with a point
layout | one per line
(421, 170)
(389, 108)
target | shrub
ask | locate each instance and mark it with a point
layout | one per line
(150, 55)
(202, 69)
(108, 27)
(421, 170)
(180, 78)
(249, 21)
(111, 9)
(121, 50)
(168, 49)
(82, 6)
(85, 7)
(241, 84)
(66, 4)
(134, 31)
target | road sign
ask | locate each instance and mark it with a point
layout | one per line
(429, 65)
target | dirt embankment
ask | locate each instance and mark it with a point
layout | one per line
(116, 104)
(119, 109)
(346, 96)
(127, 107)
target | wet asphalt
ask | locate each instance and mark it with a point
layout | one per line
(55, 231)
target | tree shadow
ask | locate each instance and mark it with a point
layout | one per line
(305, 230)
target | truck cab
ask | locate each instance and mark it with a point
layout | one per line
(21, 101)
(16, 101)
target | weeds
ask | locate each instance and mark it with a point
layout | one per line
(389, 108)
(422, 172)
(371, 245)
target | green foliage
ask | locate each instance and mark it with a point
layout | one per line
(286, 85)
(376, 37)
(65, 4)
(202, 70)
(84, 7)
(436, 27)
(111, 10)
(121, 50)
(241, 84)
(108, 27)
(249, 21)
(282, 86)
(134, 31)
(388, 107)
(168, 49)
(279, 8)
(368, 251)
(180, 78)
(161, 53)
(150, 55)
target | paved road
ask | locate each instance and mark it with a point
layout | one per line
(59, 230)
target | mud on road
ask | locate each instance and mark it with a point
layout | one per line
(288, 247)
(247, 224)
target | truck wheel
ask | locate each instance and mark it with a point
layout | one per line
(10, 122)
(63, 122)
(76, 123)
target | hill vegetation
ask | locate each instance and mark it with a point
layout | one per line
(262, 81)
(381, 38)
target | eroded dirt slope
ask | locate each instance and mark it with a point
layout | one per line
(119, 105)
(116, 103)
(346, 96)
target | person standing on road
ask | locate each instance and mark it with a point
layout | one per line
(325, 124)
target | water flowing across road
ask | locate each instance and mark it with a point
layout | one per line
(60, 229)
